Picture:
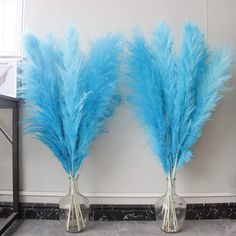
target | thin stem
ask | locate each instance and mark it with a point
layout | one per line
(74, 202)
(68, 217)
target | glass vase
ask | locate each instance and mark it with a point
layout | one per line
(74, 209)
(170, 209)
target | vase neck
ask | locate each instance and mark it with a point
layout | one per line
(170, 185)
(74, 184)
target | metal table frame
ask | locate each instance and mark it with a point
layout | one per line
(13, 103)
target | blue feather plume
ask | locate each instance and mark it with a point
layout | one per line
(70, 95)
(174, 94)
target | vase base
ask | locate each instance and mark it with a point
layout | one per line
(170, 231)
(75, 231)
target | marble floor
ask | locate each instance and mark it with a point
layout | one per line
(192, 228)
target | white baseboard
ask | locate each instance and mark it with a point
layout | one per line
(119, 198)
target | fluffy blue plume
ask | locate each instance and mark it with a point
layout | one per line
(70, 95)
(174, 94)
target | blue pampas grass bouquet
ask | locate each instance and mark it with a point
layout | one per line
(69, 96)
(173, 95)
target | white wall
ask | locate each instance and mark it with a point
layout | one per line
(121, 167)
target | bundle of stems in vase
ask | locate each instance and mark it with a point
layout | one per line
(69, 96)
(174, 95)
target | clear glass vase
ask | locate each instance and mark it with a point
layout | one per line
(170, 209)
(74, 209)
